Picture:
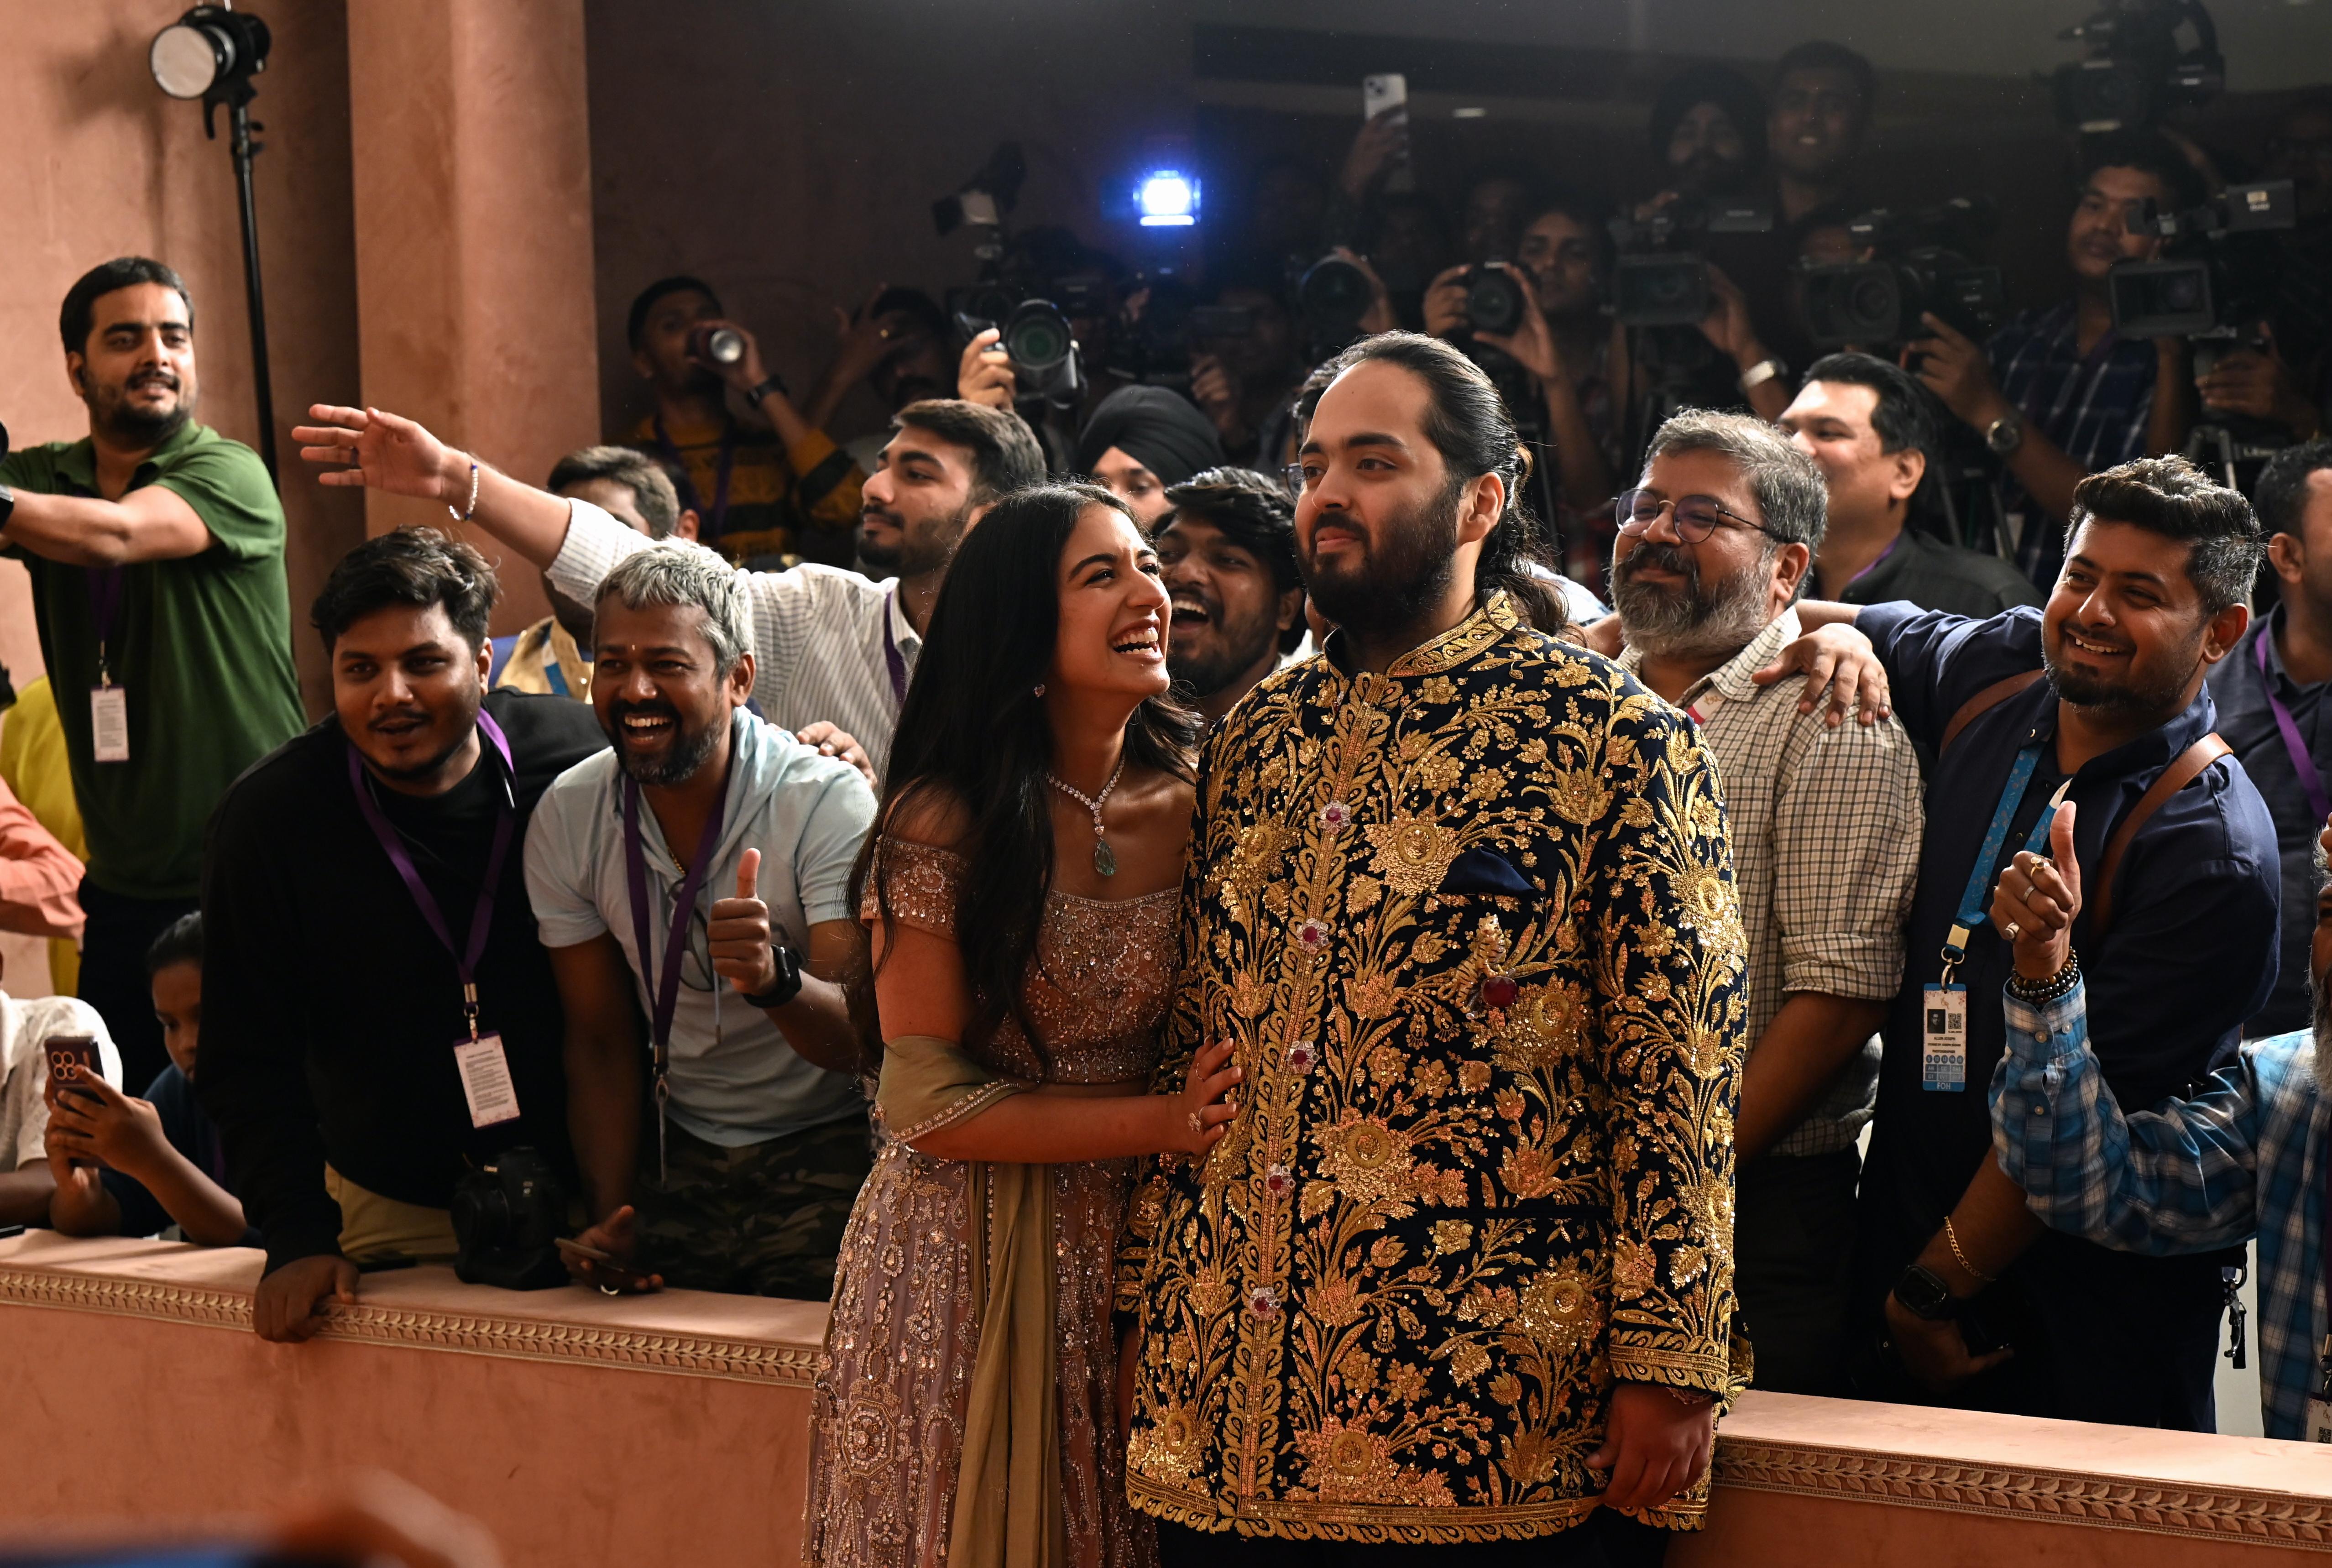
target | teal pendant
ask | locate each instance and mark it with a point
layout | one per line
(1104, 858)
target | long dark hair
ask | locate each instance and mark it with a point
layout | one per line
(973, 739)
(1469, 425)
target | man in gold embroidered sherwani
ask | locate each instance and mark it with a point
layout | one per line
(1462, 1269)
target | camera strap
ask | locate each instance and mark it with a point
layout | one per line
(484, 1068)
(718, 513)
(664, 980)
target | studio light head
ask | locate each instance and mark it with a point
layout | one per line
(211, 52)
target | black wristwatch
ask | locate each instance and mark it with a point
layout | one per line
(7, 496)
(1924, 1295)
(762, 388)
(787, 986)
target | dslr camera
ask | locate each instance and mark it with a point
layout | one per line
(1155, 346)
(507, 1217)
(1330, 296)
(1919, 266)
(2136, 67)
(1658, 277)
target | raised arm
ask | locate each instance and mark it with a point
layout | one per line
(375, 450)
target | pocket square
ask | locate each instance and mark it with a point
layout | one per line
(1486, 871)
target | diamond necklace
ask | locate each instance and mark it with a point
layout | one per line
(1104, 858)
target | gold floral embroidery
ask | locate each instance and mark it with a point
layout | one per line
(1413, 854)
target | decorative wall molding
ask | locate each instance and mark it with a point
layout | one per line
(500, 1335)
(2058, 1497)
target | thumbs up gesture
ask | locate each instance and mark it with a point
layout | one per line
(739, 929)
(2037, 899)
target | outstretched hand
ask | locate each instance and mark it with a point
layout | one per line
(375, 450)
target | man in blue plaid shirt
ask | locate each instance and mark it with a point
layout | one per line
(2244, 1158)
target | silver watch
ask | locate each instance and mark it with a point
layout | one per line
(2004, 435)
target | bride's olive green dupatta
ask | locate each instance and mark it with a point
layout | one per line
(1008, 1500)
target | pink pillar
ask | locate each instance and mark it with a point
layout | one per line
(472, 177)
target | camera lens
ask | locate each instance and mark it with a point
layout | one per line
(1334, 293)
(717, 345)
(1037, 337)
(2181, 291)
(1871, 305)
(1493, 301)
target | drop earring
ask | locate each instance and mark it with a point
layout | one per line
(1039, 688)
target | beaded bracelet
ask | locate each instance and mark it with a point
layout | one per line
(466, 516)
(2055, 989)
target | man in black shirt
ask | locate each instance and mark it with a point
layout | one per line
(1869, 427)
(378, 1013)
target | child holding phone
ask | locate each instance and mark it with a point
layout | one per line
(158, 1160)
(26, 1029)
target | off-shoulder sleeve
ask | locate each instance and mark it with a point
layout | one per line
(921, 883)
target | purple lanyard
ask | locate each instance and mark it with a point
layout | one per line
(2302, 763)
(891, 654)
(481, 919)
(675, 947)
(105, 607)
(720, 512)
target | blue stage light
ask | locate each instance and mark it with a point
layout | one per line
(1167, 198)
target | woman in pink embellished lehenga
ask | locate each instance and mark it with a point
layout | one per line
(1023, 889)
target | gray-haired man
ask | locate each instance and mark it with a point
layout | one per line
(1712, 546)
(707, 852)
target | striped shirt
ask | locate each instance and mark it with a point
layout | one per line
(823, 638)
(1825, 826)
(2242, 1158)
(2093, 406)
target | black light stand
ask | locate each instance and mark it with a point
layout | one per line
(212, 53)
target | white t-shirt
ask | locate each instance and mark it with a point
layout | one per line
(26, 1028)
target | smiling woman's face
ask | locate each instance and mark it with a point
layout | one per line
(1114, 611)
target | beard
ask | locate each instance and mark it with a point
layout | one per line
(2151, 690)
(1697, 618)
(919, 550)
(1240, 646)
(110, 410)
(1403, 568)
(690, 747)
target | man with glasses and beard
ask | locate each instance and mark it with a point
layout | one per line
(2097, 699)
(369, 964)
(1227, 555)
(1459, 1274)
(830, 646)
(1712, 546)
(156, 547)
(697, 876)
(2237, 1160)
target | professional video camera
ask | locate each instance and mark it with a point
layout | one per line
(2218, 271)
(1660, 279)
(2137, 68)
(1918, 266)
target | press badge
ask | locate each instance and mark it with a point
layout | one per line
(109, 723)
(486, 1081)
(1942, 1057)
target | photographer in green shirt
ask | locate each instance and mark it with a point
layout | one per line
(156, 547)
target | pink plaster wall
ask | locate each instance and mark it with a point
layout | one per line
(473, 197)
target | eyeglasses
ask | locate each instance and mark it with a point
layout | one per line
(1293, 477)
(1696, 516)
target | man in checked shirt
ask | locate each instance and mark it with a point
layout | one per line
(2245, 1157)
(1713, 545)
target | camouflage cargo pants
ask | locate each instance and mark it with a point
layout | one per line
(762, 1219)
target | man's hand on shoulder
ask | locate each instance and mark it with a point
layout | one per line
(285, 1309)
(1837, 659)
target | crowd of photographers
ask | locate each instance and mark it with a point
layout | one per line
(1831, 375)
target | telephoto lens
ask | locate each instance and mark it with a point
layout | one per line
(716, 345)
(1495, 302)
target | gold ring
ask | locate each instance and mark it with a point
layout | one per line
(1197, 1128)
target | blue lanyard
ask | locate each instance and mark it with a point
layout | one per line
(1977, 899)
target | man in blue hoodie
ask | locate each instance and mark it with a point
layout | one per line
(708, 853)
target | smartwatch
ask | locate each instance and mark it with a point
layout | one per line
(2004, 435)
(787, 985)
(1924, 1295)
